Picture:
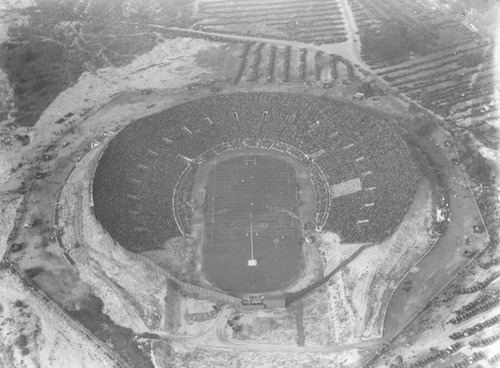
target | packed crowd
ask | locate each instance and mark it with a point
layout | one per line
(141, 166)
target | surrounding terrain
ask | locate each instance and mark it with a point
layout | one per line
(75, 73)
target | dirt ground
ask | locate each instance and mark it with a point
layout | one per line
(34, 335)
(133, 293)
(40, 251)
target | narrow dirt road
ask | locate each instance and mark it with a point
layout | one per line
(49, 335)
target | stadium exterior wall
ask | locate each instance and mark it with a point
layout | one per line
(209, 293)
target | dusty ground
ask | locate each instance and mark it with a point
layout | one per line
(350, 307)
(133, 294)
(179, 355)
(34, 335)
(40, 251)
(104, 266)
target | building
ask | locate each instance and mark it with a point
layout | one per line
(275, 301)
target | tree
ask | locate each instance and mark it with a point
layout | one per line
(366, 89)
(392, 40)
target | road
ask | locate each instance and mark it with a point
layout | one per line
(59, 317)
(138, 324)
(347, 49)
(48, 345)
(445, 259)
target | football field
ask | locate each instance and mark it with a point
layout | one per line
(252, 214)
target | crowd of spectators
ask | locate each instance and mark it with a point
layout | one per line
(139, 170)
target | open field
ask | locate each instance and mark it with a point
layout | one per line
(432, 58)
(315, 21)
(63, 39)
(252, 211)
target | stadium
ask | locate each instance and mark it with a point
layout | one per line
(260, 174)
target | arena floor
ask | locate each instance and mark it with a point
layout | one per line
(252, 199)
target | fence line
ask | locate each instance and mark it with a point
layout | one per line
(209, 293)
